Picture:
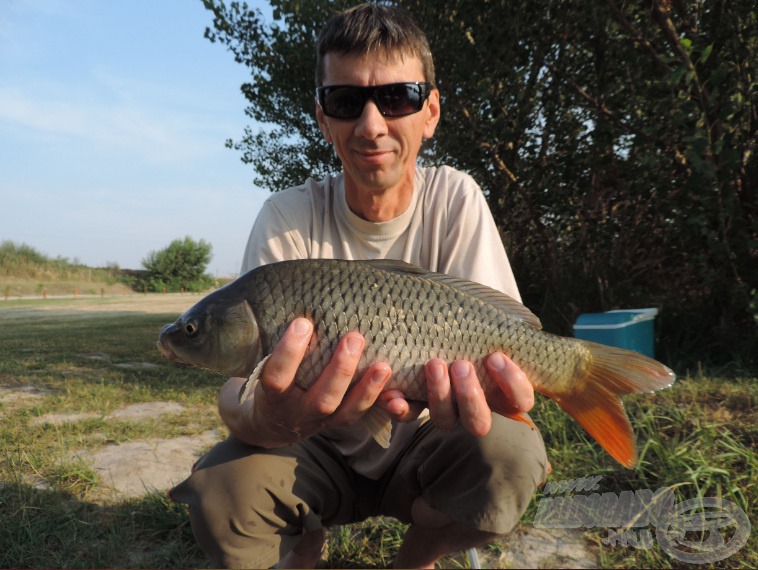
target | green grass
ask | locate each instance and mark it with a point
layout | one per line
(699, 437)
(55, 510)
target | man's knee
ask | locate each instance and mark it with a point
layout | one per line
(241, 504)
(484, 482)
(519, 463)
(250, 506)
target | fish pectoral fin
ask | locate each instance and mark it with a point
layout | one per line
(379, 425)
(519, 417)
(252, 380)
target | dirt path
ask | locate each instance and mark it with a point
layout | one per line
(85, 306)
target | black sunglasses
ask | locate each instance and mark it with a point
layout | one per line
(392, 100)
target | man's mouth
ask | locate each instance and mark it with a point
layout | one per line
(374, 156)
(372, 151)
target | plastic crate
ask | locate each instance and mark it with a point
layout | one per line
(632, 329)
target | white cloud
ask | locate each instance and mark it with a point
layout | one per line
(156, 134)
(20, 26)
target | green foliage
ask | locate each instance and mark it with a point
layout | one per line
(282, 60)
(24, 271)
(614, 142)
(19, 260)
(181, 265)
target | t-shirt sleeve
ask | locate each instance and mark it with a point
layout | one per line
(272, 239)
(473, 248)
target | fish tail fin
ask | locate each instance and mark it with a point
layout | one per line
(596, 405)
(379, 425)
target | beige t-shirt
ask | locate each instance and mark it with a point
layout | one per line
(447, 228)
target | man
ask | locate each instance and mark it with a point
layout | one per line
(297, 460)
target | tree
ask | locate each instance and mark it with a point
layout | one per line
(179, 266)
(615, 144)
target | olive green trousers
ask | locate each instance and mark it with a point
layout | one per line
(249, 506)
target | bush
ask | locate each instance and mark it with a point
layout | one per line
(179, 266)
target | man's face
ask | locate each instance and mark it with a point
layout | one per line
(378, 153)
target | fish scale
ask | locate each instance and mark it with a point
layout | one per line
(409, 315)
(402, 336)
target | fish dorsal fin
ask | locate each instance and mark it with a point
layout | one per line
(396, 266)
(486, 294)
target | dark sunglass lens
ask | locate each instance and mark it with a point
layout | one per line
(394, 100)
(344, 102)
(398, 100)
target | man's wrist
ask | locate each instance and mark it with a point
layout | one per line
(259, 429)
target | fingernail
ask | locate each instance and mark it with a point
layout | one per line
(459, 369)
(354, 344)
(497, 362)
(302, 327)
(436, 371)
(379, 376)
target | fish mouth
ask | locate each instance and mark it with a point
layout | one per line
(166, 351)
(163, 342)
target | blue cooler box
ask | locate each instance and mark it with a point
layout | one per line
(631, 329)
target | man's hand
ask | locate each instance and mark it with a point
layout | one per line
(280, 412)
(457, 395)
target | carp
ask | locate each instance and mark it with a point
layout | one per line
(409, 315)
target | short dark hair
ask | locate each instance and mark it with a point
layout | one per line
(373, 27)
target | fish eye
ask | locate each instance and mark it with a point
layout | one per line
(190, 328)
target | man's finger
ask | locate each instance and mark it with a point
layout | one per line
(475, 414)
(400, 409)
(512, 381)
(287, 355)
(395, 404)
(363, 395)
(327, 392)
(442, 407)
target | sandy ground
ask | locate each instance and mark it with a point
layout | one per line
(85, 306)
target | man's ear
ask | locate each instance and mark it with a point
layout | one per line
(433, 116)
(323, 125)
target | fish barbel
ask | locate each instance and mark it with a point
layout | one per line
(408, 316)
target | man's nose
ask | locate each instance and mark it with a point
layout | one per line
(371, 123)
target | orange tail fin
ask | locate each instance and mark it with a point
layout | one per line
(596, 404)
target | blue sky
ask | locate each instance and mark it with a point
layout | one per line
(113, 118)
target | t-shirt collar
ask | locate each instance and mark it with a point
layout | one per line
(378, 230)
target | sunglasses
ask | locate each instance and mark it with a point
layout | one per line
(392, 100)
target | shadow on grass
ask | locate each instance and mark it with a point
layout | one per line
(52, 528)
(55, 529)
(47, 348)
